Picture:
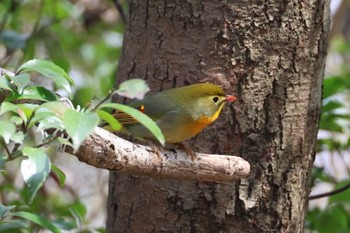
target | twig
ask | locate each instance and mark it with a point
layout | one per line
(121, 11)
(327, 194)
(50, 140)
(102, 101)
(103, 149)
(6, 149)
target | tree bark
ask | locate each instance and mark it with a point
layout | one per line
(269, 54)
(103, 149)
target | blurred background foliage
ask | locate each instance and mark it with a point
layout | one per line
(330, 212)
(84, 37)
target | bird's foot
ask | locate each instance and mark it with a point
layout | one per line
(157, 149)
(188, 150)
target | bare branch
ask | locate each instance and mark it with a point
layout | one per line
(328, 194)
(103, 149)
(121, 11)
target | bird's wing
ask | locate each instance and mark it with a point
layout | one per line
(125, 119)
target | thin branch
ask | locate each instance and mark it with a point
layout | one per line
(50, 140)
(120, 10)
(14, 149)
(6, 149)
(103, 149)
(102, 101)
(327, 194)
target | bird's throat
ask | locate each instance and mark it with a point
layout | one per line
(205, 120)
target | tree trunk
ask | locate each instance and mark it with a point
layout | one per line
(269, 54)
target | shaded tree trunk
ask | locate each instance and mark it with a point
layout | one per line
(269, 54)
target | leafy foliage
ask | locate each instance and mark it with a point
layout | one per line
(139, 116)
(57, 121)
(333, 145)
(78, 38)
(18, 121)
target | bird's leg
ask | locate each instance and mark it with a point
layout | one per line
(188, 150)
(157, 149)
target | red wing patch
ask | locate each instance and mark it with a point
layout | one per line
(125, 119)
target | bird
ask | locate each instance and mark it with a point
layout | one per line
(180, 113)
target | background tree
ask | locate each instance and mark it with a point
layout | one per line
(271, 55)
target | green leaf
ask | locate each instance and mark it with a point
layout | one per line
(330, 106)
(64, 141)
(331, 126)
(334, 85)
(16, 120)
(56, 106)
(43, 222)
(35, 169)
(59, 173)
(13, 225)
(25, 111)
(8, 107)
(5, 209)
(107, 117)
(17, 137)
(335, 217)
(5, 84)
(7, 129)
(49, 112)
(21, 81)
(51, 122)
(100, 230)
(38, 93)
(39, 115)
(342, 116)
(66, 223)
(84, 95)
(78, 211)
(318, 173)
(329, 122)
(3, 160)
(79, 125)
(49, 70)
(53, 109)
(133, 88)
(139, 116)
(347, 144)
(23, 114)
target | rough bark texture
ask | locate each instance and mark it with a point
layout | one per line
(271, 55)
(104, 150)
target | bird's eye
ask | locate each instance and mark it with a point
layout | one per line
(215, 99)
